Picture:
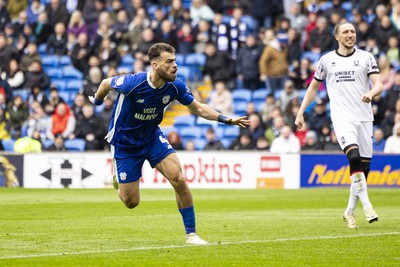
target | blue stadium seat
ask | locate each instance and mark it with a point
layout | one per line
(195, 59)
(125, 69)
(8, 145)
(240, 107)
(60, 84)
(180, 59)
(47, 143)
(71, 73)
(227, 142)
(127, 59)
(65, 61)
(74, 85)
(241, 94)
(42, 49)
(277, 93)
(190, 132)
(185, 72)
(347, 5)
(260, 94)
(54, 72)
(76, 144)
(49, 61)
(232, 132)
(184, 121)
(205, 124)
(64, 95)
(200, 143)
(167, 130)
(23, 93)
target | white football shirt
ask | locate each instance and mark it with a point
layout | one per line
(346, 80)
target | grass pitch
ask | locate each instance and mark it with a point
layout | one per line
(244, 228)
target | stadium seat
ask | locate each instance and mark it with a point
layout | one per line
(241, 94)
(74, 85)
(184, 71)
(347, 5)
(184, 121)
(23, 93)
(240, 107)
(42, 49)
(53, 72)
(180, 59)
(60, 84)
(71, 73)
(232, 132)
(195, 59)
(205, 124)
(76, 144)
(127, 60)
(47, 143)
(200, 143)
(124, 69)
(64, 95)
(227, 142)
(277, 93)
(65, 61)
(190, 132)
(49, 61)
(260, 94)
(167, 130)
(8, 145)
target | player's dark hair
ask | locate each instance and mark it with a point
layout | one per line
(336, 29)
(156, 50)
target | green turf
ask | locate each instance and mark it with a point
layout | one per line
(244, 227)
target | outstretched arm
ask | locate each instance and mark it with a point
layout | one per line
(207, 112)
(308, 98)
(102, 91)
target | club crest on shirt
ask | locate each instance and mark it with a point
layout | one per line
(356, 63)
(120, 81)
(343, 140)
(165, 99)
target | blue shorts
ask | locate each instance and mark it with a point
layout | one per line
(128, 163)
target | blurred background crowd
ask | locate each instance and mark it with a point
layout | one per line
(256, 56)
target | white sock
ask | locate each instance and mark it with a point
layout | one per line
(361, 189)
(353, 199)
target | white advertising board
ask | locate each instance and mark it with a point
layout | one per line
(227, 170)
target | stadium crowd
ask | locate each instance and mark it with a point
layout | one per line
(269, 48)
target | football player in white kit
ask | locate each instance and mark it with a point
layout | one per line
(347, 72)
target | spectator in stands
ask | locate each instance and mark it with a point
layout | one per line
(212, 141)
(244, 142)
(4, 15)
(273, 64)
(294, 48)
(286, 142)
(57, 42)
(311, 142)
(274, 130)
(104, 31)
(332, 144)
(33, 11)
(220, 34)
(372, 47)
(76, 107)
(3, 103)
(37, 95)
(255, 128)
(18, 111)
(387, 72)
(57, 12)
(190, 146)
(199, 10)
(175, 14)
(321, 39)
(13, 75)
(76, 24)
(90, 85)
(318, 116)
(383, 32)
(42, 28)
(393, 94)
(36, 76)
(302, 133)
(264, 13)
(31, 55)
(378, 109)
(37, 120)
(247, 63)
(268, 106)
(289, 92)
(54, 99)
(324, 134)
(219, 65)
(148, 40)
(238, 31)
(393, 53)
(91, 13)
(104, 118)
(62, 121)
(157, 20)
(221, 99)
(121, 25)
(7, 52)
(131, 39)
(168, 34)
(81, 53)
(185, 39)
(262, 144)
(15, 7)
(378, 141)
(28, 144)
(108, 55)
(301, 75)
(202, 36)
(393, 142)
(19, 24)
(5, 125)
(363, 33)
(58, 144)
(89, 128)
(5, 91)
(297, 19)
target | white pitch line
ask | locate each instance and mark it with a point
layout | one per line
(190, 246)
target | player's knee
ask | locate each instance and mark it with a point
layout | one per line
(131, 203)
(178, 181)
(354, 160)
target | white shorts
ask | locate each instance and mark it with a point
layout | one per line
(355, 132)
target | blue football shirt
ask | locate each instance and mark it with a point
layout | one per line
(139, 108)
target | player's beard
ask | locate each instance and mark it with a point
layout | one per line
(168, 78)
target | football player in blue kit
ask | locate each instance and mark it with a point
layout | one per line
(134, 132)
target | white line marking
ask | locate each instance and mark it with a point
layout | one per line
(306, 238)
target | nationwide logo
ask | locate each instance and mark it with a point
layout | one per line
(270, 164)
(66, 172)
